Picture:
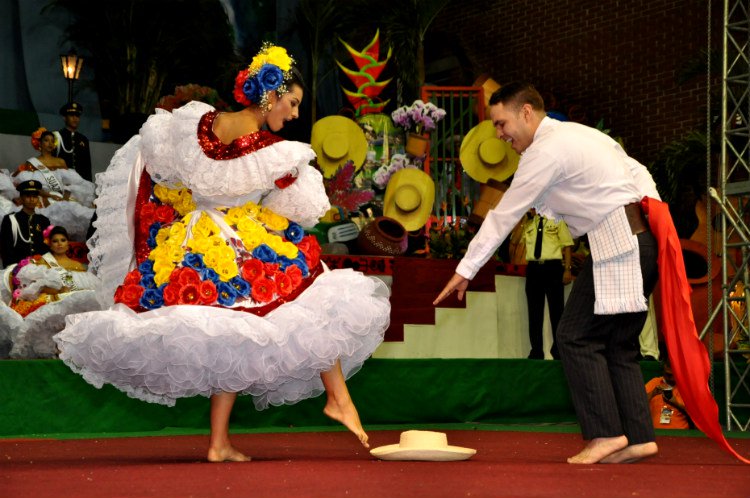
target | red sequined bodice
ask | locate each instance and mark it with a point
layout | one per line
(246, 144)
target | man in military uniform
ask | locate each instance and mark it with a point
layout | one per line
(72, 146)
(21, 233)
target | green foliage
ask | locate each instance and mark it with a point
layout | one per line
(681, 166)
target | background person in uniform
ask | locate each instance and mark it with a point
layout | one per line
(548, 244)
(21, 232)
(72, 145)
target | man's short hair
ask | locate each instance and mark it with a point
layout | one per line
(517, 94)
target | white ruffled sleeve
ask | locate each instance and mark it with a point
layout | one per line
(305, 200)
(34, 277)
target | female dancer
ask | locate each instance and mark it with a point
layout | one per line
(225, 294)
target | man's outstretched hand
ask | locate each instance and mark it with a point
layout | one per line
(458, 284)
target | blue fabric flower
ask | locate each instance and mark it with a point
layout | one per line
(227, 294)
(252, 89)
(146, 268)
(194, 261)
(210, 274)
(270, 77)
(147, 281)
(294, 233)
(152, 299)
(152, 231)
(241, 286)
(264, 253)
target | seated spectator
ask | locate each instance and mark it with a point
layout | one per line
(66, 198)
(45, 289)
(21, 232)
(667, 407)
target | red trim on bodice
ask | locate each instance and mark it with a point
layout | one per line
(241, 146)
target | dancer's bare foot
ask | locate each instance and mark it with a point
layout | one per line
(632, 453)
(599, 448)
(226, 454)
(346, 413)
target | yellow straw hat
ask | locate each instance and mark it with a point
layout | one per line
(423, 445)
(336, 140)
(484, 156)
(409, 197)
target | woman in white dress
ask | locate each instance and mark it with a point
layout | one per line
(66, 197)
(46, 289)
(216, 289)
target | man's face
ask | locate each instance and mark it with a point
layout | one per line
(513, 126)
(72, 121)
(29, 201)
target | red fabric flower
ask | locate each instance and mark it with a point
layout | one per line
(171, 294)
(270, 268)
(208, 292)
(164, 214)
(184, 276)
(285, 181)
(311, 249)
(189, 294)
(239, 83)
(147, 215)
(283, 283)
(133, 277)
(252, 269)
(263, 290)
(131, 295)
(294, 274)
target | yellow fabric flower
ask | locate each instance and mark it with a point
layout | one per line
(227, 270)
(162, 276)
(251, 240)
(252, 209)
(235, 215)
(271, 54)
(272, 220)
(250, 226)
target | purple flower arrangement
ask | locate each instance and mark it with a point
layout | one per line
(419, 117)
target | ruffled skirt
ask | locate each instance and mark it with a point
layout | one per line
(180, 351)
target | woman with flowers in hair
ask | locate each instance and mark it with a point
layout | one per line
(212, 286)
(45, 289)
(67, 199)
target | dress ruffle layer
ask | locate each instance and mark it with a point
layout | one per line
(181, 351)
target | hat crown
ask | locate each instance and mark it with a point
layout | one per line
(407, 198)
(335, 145)
(423, 439)
(491, 151)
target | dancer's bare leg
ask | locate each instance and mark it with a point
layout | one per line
(339, 406)
(219, 447)
(632, 453)
(598, 449)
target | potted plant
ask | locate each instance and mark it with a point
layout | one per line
(418, 120)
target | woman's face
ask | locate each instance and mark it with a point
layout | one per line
(48, 143)
(285, 108)
(58, 244)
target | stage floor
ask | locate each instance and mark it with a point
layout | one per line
(510, 462)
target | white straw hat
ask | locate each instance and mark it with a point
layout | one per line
(423, 445)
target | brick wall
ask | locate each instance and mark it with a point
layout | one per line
(611, 60)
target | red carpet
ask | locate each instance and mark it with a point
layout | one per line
(331, 464)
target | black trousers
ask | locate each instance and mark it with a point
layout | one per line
(599, 354)
(544, 280)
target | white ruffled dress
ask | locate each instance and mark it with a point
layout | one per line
(173, 351)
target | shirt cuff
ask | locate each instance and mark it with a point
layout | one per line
(467, 269)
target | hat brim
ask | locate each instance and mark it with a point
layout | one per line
(416, 219)
(357, 143)
(472, 163)
(445, 454)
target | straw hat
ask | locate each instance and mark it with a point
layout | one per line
(423, 445)
(409, 197)
(336, 140)
(484, 156)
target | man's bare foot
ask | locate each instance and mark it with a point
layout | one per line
(347, 414)
(226, 454)
(599, 448)
(632, 453)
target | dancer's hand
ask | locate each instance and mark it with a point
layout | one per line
(456, 283)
